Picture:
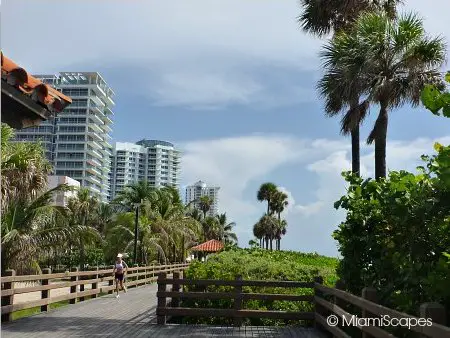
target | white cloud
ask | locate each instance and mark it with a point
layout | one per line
(196, 54)
(234, 163)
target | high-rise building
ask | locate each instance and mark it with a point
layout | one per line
(61, 198)
(157, 162)
(199, 189)
(77, 141)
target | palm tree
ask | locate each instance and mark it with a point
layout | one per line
(265, 193)
(205, 203)
(136, 193)
(398, 60)
(81, 208)
(226, 233)
(278, 204)
(24, 168)
(320, 18)
(268, 225)
(258, 232)
(29, 229)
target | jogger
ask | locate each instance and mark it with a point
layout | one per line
(119, 272)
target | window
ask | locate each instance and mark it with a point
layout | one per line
(75, 91)
(71, 129)
(71, 138)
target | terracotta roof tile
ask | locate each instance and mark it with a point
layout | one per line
(209, 246)
(42, 93)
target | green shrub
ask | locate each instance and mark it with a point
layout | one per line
(257, 264)
(396, 233)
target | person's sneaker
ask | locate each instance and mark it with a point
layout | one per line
(117, 296)
(125, 290)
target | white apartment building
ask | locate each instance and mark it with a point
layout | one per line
(77, 141)
(157, 162)
(61, 198)
(199, 189)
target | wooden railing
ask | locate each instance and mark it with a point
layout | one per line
(237, 313)
(98, 282)
(324, 309)
(331, 316)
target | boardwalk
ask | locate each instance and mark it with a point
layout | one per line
(132, 315)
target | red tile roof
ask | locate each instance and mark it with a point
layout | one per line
(42, 93)
(210, 246)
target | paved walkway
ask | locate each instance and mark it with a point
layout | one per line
(132, 315)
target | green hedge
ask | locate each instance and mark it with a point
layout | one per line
(257, 264)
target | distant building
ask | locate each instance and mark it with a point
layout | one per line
(77, 141)
(199, 189)
(61, 198)
(154, 161)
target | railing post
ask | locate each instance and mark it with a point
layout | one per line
(111, 282)
(8, 300)
(73, 288)
(45, 293)
(370, 294)
(161, 318)
(175, 288)
(435, 311)
(95, 284)
(82, 284)
(237, 320)
(135, 277)
(338, 301)
(317, 293)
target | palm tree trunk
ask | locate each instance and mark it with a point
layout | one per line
(355, 151)
(380, 142)
(268, 207)
(271, 240)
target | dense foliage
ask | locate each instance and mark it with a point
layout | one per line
(396, 234)
(258, 264)
(437, 100)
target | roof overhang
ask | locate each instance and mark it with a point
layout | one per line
(19, 110)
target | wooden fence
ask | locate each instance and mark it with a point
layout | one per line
(323, 311)
(76, 280)
(165, 309)
(369, 321)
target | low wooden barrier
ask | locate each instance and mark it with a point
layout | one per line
(165, 309)
(371, 311)
(137, 276)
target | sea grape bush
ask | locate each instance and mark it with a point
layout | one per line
(257, 264)
(396, 234)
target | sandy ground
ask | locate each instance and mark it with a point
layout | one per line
(32, 296)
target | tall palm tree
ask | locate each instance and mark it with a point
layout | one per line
(321, 17)
(265, 193)
(279, 203)
(226, 233)
(81, 207)
(136, 193)
(398, 60)
(205, 203)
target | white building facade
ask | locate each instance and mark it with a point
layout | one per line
(77, 141)
(61, 198)
(199, 189)
(154, 161)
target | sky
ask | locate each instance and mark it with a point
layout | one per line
(232, 84)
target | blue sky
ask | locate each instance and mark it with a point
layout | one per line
(232, 84)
